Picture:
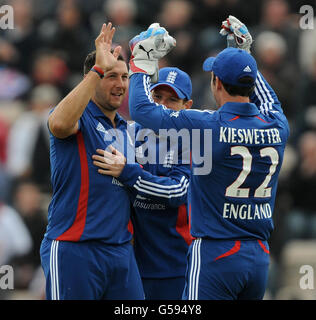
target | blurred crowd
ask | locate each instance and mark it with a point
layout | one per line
(41, 60)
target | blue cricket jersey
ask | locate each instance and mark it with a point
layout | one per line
(232, 190)
(85, 204)
(159, 198)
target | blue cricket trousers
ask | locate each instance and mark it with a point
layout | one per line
(90, 270)
(226, 270)
(163, 288)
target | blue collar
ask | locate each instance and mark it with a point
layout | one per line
(243, 109)
(96, 112)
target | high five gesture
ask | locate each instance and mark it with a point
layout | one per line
(105, 59)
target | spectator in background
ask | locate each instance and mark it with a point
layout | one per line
(19, 44)
(122, 15)
(283, 203)
(50, 68)
(301, 221)
(307, 49)
(13, 83)
(306, 113)
(176, 17)
(16, 51)
(27, 201)
(276, 17)
(43, 10)
(15, 239)
(213, 12)
(270, 49)
(5, 184)
(4, 132)
(4, 178)
(28, 143)
(69, 37)
(147, 11)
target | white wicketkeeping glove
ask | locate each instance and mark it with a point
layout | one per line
(147, 48)
(237, 34)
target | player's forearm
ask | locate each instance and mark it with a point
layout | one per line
(264, 96)
(171, 190)
(151, 115)
(63, 121)
(143, 110)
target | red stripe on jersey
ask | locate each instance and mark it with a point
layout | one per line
(130, 227)
(237, 117)
(75, 231)
(233, 250)
(261, 119)
(264, 248)
(182, 225)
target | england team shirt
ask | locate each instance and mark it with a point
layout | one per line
(85, 204)
(237, 153)
(159, 199)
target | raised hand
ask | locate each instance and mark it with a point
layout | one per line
(105, 59)
(147, 48)
(237, 33)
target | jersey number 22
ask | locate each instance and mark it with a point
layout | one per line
(263, 191)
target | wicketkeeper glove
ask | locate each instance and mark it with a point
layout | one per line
(147, 48)
(237, 34)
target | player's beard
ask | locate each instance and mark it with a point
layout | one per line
(106, 104)
(109, 107)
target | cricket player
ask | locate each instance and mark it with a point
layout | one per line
(158, 195)
(86, 251)
(231, 200)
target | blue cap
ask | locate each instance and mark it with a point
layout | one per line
(231, 64)
(176, 79)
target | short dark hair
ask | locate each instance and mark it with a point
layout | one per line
(90, 61)
(239, 90)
